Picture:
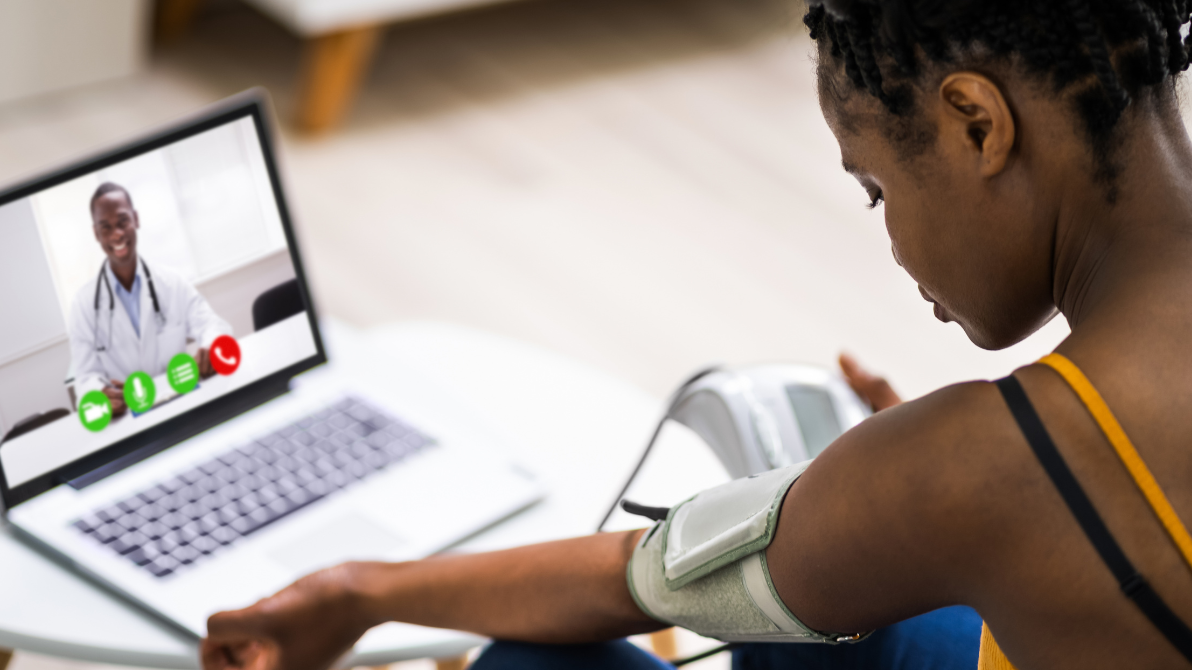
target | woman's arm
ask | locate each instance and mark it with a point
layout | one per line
(558, 592)
(882, 527)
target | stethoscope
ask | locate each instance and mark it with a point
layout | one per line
(102, 279)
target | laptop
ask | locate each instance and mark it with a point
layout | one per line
(166, 432)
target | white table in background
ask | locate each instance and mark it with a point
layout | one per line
(579, 429)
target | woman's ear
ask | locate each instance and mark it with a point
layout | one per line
(976, 116)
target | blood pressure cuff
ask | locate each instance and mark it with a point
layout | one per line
(704, 567)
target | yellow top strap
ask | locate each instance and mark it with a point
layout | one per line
(1126, 452)
(990, 656)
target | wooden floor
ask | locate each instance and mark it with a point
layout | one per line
(645, 186)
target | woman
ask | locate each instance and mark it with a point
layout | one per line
(1032, 160)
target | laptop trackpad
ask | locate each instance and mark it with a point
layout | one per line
(350, 537)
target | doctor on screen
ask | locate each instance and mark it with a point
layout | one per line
(133, 316)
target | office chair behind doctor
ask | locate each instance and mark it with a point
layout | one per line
(133, 315)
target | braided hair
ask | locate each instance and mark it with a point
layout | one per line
(1110, 52)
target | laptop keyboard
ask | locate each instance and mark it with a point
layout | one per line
(210, 507)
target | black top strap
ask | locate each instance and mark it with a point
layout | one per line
(1132, 584)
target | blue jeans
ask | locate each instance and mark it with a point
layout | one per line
(946, 639)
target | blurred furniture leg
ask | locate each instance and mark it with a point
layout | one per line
(334, 65)
(459, 663)
(5, 658)
(665, 644)
(174, 18)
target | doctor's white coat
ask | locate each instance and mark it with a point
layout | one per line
(104, 346)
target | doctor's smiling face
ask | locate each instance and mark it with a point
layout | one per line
(115, 225)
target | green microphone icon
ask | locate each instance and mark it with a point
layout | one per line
(139, 392)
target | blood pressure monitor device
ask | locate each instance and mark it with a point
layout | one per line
(764, 417)
(758, 418)
(702, 565)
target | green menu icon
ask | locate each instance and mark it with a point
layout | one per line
(183, 373)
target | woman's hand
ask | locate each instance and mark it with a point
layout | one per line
(308, 625)
(562, 592)
(873, 389)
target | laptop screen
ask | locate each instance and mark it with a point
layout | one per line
(139, 290)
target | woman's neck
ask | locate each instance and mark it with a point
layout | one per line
(1106, 251)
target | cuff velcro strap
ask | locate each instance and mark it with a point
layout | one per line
(723, 525)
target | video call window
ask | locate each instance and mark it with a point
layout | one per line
(138, 292)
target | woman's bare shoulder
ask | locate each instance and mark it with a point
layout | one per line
(958, 446)
(902, 509)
